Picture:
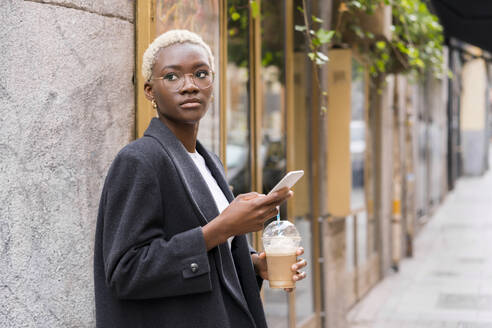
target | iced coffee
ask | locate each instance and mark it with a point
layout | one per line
(281, 241)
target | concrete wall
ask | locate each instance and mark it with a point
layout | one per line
(473, 117)
(335, 275)
(66, 108)
(381, 120)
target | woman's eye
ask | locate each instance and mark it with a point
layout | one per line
(201, 74)
(171, 77)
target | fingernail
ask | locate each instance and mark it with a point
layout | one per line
(294, 267)
(295, 278)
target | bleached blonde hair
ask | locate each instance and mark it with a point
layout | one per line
(168, 39)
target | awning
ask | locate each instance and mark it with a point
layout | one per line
(467, 20)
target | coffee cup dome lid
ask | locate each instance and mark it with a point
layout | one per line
(281, 228)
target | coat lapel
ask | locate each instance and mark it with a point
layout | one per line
(201, 198)
(216, 168)
(194, 185)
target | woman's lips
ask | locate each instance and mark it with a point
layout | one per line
(190, 105)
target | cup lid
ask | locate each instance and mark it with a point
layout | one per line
(281, 228)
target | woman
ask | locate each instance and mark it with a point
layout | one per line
(170, 247)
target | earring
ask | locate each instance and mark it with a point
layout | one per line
(212, 98)
(154, 104)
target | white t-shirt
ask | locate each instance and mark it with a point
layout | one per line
(219, 197)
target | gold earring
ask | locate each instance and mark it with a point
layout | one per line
(154, 104)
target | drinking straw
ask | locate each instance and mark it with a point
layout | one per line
(278, 213)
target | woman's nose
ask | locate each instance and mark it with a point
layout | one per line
(189, 84)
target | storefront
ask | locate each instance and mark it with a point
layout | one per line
(265, 121)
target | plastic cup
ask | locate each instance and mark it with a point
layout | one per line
(280, 242)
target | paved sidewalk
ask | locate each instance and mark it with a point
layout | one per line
(448, 282)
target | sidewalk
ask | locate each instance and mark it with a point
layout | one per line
(448, 282)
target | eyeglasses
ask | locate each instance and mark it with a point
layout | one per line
(174, 81)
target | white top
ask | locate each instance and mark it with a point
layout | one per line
(219, 197)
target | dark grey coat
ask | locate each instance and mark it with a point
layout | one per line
(151, 267)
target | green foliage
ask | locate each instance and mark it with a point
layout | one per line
(237, 28)
(415, 45)
(416, 38)
(255, 9)
(316, 37)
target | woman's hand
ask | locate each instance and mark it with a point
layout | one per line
(261, 268)
(246, 213)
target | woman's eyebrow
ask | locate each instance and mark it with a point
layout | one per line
(200, 64)
(179, 67)
(171, 67)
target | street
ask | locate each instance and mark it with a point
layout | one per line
(448, 282)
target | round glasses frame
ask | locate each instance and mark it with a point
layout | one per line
(176, 85)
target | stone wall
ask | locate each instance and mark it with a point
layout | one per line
(66, 108)
(473, 117)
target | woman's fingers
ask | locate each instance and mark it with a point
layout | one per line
(299, 265)
(276, 198)
(249, 195)
(299, 276)
(300, 251)
(270, 213)
(295, 268)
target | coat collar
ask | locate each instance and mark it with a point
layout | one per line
(200, 195)
(191, 177)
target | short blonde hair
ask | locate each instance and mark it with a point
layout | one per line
(168, 39)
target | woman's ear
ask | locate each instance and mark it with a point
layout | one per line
(149, 93)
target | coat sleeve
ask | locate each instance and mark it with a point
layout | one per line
(138, 262)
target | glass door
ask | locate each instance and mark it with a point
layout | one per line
(260, 121)
(362, 260)
(273, 131)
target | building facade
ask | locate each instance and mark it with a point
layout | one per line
(377, 160)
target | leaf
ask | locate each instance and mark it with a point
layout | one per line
(322, 56)
(356, 4)
(255, 10)
(381, 45)
(300, 28)
(316, 19)
(419, 62)
(325, 36)
(300, 9)
(358, 31)
(267, 59)
(235, 16)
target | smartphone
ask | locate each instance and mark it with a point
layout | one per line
(289, 180)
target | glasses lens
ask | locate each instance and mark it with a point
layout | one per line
(173, 81)
(203, 78)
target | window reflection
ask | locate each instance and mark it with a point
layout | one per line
(304, 288)
(301, 139)
(238, 148)
(273, 129)
(201, 17)
(358, 142)
(357, 136)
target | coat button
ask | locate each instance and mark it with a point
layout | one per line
(194, 267)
